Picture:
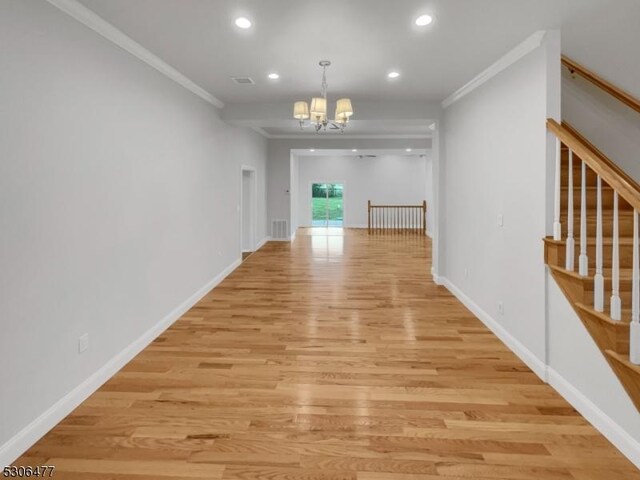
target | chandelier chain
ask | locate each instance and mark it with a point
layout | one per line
(325, 85)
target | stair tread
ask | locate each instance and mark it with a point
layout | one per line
(622, 240)
(587, 187)
(623, 359)
(625, 313)
(592, 214)
(625, 273)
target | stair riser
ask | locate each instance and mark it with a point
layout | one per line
(592, 202)
(625, 225)
(582, 290)
(592, 177)
(625, 295)
(625, 253)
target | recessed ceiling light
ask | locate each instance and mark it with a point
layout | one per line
(243, 22)
(393, 75)
(312, 150)
(424, 20)
(408, 150)
(274, 76)
(354, 150)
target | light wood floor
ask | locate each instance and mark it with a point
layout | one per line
(334, 358)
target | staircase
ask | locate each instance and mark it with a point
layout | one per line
(593, 255)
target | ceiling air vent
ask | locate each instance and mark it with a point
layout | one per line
(243, 80)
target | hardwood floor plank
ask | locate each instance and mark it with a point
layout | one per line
(333, 358)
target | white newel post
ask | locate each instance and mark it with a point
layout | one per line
(570, 241)
(583, 260)
(616, 304)
(557, 231)
(634, 340)
(598, 279)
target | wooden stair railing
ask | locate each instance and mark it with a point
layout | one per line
(626, 98)
(397, 219)
(597, 203)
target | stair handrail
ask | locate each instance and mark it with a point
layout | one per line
(616, 92)
(602, 165)
(623, 185)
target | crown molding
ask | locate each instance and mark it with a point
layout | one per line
(75, 9)
(261, 131)
(527, 46)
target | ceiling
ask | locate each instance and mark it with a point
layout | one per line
(364, 39)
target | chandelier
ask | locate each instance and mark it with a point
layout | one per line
(317, 114)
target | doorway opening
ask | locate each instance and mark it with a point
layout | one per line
(248, 206)
(327, 204)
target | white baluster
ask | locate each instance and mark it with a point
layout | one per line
(570, 241)
(634, 340)
(583, 260)
(557, 230)
(598, 279)
(616, 304)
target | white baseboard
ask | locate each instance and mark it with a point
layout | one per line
(30, 434)
(436, 278)
(262, 242)
(526, 355)
(615, 433)
(293, 236)
(358, 225)
(343, 226)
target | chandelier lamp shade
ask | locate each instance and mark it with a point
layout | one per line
(317, 113)
(301, 111)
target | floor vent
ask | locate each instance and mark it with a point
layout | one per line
(279, 230)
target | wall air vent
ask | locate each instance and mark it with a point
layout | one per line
(280, 230)
(243, 80)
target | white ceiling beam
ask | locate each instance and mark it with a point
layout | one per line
(365, 110)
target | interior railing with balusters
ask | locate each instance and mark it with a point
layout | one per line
(397, 219)
(605, 290)
(597, 200)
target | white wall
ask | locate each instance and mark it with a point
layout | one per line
(429, 193)
(496, 165)
(247, 205)
(387, 179)
(294, 193)
(119, 197)
(605, 39)
(607, 123)
(280, 186)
